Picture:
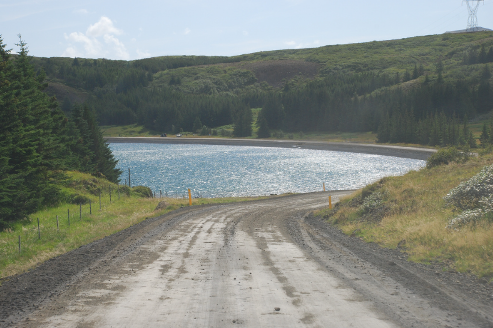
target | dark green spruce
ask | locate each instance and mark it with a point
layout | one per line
(38, 141)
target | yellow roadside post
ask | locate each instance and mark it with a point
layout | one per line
(330, 202)
(324, 186)
(189, 197)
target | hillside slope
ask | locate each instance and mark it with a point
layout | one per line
(332, 88)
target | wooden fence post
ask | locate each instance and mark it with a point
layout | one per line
(39, 232)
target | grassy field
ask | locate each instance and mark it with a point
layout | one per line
(409, 212)
(135, 130)
(126, 209)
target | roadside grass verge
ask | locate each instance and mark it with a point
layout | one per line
(124, 211)
(409, 212)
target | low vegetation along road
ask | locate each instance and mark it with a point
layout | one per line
(265, 263)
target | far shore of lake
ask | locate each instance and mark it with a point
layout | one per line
(385, 150)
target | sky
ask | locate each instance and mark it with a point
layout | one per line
(132, 30)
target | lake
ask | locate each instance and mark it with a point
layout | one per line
(223, 171)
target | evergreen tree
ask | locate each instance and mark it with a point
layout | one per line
(28, 150)
(491, 130)
(482, 58)
(243, 123)
(485, 136)
(273, 111)
(407, 76)
(10, 184)
(415, 72)
(485, 97)
(197, 125)
(105, 162)
(489, 56)
(439, 70)
(263, 127)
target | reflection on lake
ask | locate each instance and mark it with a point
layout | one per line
(219, 171)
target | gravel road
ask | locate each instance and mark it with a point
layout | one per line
(263, 263)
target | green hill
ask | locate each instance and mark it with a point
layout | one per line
(388, 86)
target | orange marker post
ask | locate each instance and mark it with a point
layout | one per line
(330, 202)
(324, 186)
(189, 197)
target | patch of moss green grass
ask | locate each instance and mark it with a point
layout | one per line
(410, 211)
(124, 211)
(132, 130)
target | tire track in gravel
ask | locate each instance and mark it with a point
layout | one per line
(256, 264)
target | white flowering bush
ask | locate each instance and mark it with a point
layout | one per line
(468, 194)
(475, 197)
(372, 202)
(466, 217)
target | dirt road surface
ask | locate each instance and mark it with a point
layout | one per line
(264, 263)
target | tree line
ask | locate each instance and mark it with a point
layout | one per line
(38, 141)
(413, 99)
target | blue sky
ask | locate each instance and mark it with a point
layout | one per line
(146, 28)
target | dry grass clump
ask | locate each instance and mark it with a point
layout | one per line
(414, 211)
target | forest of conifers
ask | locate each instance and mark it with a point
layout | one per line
(38, 141)
(417, 90)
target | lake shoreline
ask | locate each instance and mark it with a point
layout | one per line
(384, 150)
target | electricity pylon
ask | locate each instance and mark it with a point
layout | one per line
(472, 7)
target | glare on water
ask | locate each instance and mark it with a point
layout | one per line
(220, 171)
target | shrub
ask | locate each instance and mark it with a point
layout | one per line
(445, 156)
(372, 202)
(143, 191)
(468, 194)
(474, 197)
(205, 131)
(78, 199)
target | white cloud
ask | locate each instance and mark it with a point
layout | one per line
(119, 47)
(187, 31)
(99, 41)
(296, 45)
(143, 54)
(103, 27)
(70, 52)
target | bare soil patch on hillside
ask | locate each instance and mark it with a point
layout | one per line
(276, 72)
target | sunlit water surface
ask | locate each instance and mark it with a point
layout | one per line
(219, 171)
